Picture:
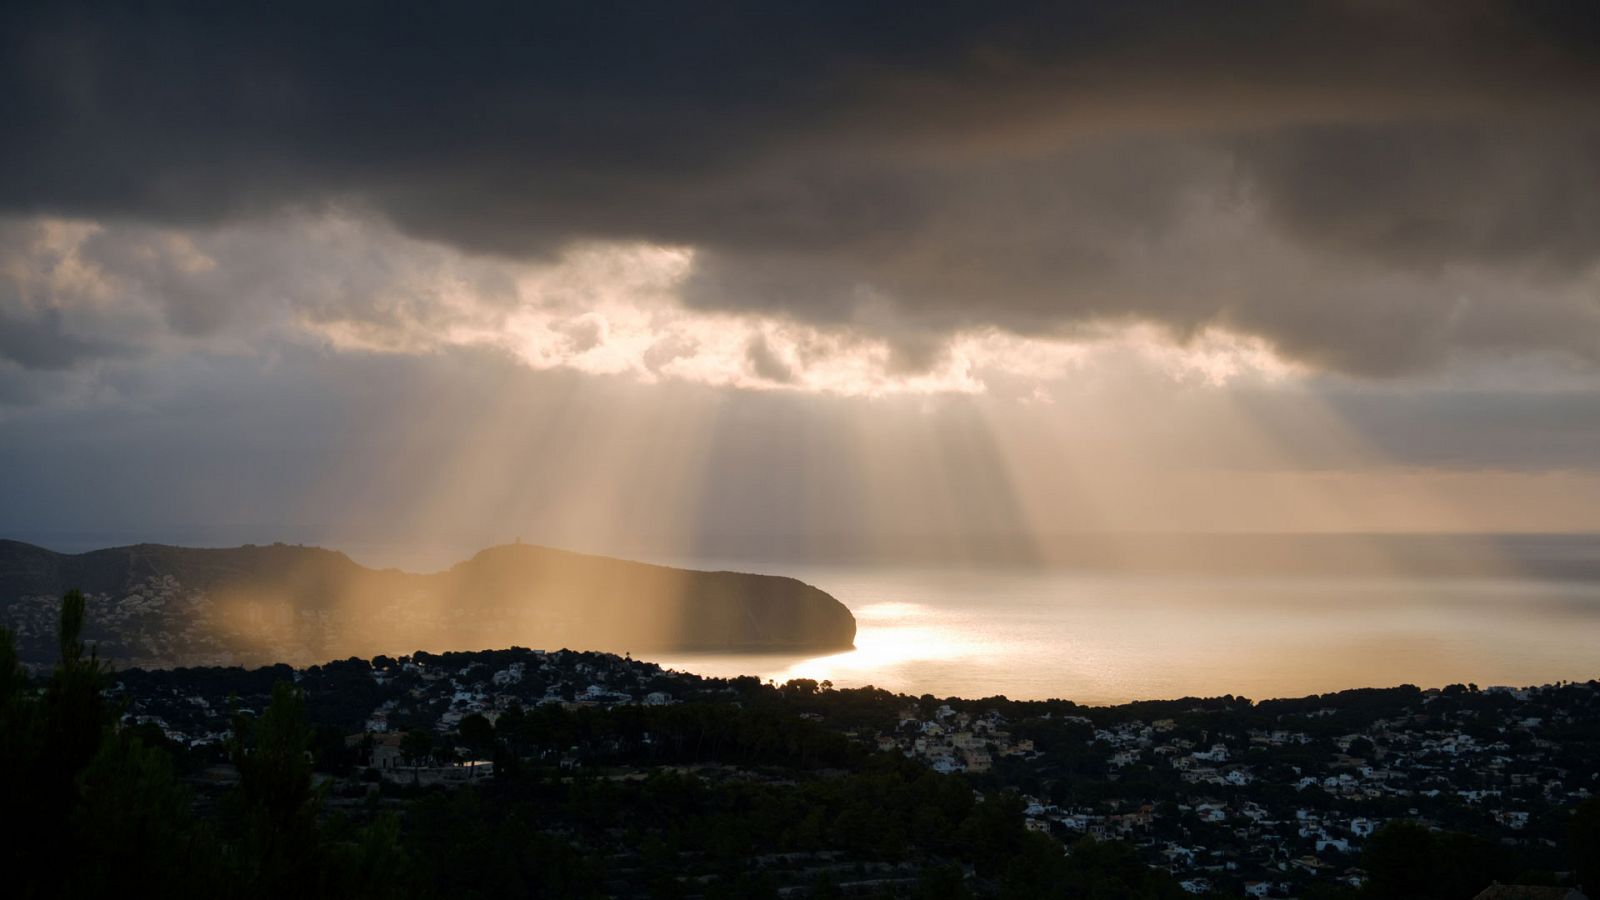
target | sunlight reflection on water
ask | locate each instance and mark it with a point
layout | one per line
(1108, 639)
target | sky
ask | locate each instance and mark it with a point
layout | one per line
(740, 279)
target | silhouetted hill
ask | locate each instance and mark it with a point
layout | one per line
(158, 605)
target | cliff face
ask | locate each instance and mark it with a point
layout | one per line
(158, 605)
(595, 601)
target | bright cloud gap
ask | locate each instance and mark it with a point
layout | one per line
(97, 290)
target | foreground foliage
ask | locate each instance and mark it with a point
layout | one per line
(97, 808)
(693, 800)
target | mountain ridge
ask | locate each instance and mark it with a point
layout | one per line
(162, 604)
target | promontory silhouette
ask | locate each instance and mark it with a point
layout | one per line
(156, 605)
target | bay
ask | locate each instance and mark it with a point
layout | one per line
(1111, 638)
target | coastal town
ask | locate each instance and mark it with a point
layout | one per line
(1232, 797)
(1266, 809)
(800, 450)
(158, 621)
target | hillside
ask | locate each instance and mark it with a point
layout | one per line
(155, 605)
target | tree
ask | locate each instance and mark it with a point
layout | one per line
(101, 808)
(276, 807)
(823, 887)
(281, 846)
(1583, 842)
(76, 715)
(992, 831)
(416, 746)
(1406, 860)
(137, 816)
(942, 883)
(1399, 862)
(20, 748)
(478, 734)
(98, 808)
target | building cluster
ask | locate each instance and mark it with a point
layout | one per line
(434, 692)
(1260, 799)
(1216, 797)
(157, 621)
(447, 690)
(954, 741)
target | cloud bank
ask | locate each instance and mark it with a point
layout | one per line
(85, 307)
(1368, 188)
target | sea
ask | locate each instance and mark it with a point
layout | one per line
(1310, 615)
(1109, 638)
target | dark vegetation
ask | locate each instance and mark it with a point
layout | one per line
(700, 799)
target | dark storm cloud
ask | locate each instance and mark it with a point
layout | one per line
(1371, 186)
(1432, 194)
(42, 342)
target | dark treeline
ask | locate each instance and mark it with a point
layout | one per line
(699, 799)
(102, 807)
(97, 809)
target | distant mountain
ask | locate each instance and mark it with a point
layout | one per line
(154, 605)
